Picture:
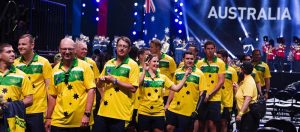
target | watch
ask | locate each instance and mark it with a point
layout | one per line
(87, 114)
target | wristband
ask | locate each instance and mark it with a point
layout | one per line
(241, 113)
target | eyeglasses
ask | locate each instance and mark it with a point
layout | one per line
(66, 78)
(65, 49)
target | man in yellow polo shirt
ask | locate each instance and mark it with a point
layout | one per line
(185, 101)
(263, 71)
(214, 71)
(119, 79)
(81, 52)
(167, 65)
(227, 91)
(37, 69)
(14, 86)
(72, 91)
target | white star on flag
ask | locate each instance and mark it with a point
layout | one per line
(145, 31)
(167, 30)
(152, 19)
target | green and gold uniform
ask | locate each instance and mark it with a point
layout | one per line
(167, 67)
(37, 70)
(70, 87)
(118, 103)
(185, 101)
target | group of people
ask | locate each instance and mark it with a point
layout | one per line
(147, 94)
(275, 56)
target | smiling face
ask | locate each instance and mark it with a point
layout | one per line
(154, 63)
(81, 50)
(25, 46)
(67, 49)
(189, 60)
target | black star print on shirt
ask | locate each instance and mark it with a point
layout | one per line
(66, 113)
(4, 90)
(155, 90)
(105, 103)
(187, 92)
(9, 100)
(70, 103)
(178, 103)
(33, 86)
(70, 87)
(149, 94)
(151, 107)
(76, 96)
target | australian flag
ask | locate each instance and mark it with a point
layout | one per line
(157, 19)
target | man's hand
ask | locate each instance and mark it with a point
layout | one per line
(266, 95)
(48, 125)
(85, 121)
(238, 118)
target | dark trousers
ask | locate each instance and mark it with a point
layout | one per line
(105, 124)
(248, 123)
(75, 129)
(35, 122)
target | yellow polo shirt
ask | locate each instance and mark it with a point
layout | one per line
(37, 70)
(263, 71)
(185, 101)
(211, 71)
(227, 89)
(117, 102)
(152, 103)
(196, 63)
(167, 66)
(71, 88)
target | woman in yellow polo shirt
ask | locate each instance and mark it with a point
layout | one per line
(151, 113)
(246, 94)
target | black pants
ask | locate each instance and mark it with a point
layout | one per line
(35, 122)
(75, 129)
(248, 123)
(105, 124)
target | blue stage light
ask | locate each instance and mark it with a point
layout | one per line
(181, 4)
(97, 18)
(179, 31)
(97, 9)
(135, 4)
(82, 13)
(98, 1)
(176, 0)
(135, 13)
(176, 10)
(176, 20)
(134, 23)
(83, 4)
(180, 22)
(180, 13)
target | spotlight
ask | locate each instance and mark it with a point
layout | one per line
(83, 4)
(256, 39)
(176, 0)
(144, 22)
(176, 20)
(180, 13)
(134, 33)
(98, 1)
(179, 31)
(135, 13)
(97, 9)
(180, 22)
(135, 4)
(134, 23)
(97, 18)
(181, 4)
(240, 38)
(82, 13)
(176, 10)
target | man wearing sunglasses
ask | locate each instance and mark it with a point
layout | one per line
(72, 91)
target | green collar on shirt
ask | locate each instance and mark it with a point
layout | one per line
(125, 61)
(34, 59)
(73, 64)
(214, 59)
(148, 74)
(193, 68)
